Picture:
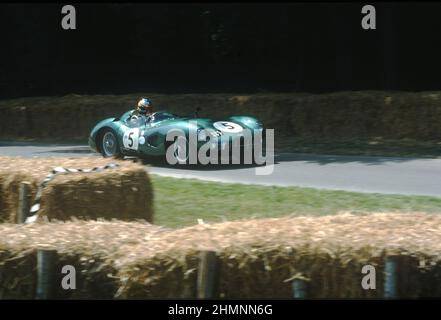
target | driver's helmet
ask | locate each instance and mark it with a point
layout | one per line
(145, 106)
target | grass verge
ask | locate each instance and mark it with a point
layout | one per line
(180, 202)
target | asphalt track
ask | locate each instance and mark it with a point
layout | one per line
(362, 174)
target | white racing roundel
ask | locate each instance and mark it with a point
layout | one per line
(227, 126)
(131, 139)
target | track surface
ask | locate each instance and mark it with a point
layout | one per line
(363, 174)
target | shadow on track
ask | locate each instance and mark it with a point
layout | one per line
(329, 159)
(159, 162)
(280, 158)
(70, 150)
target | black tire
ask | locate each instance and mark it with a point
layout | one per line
(108, 145)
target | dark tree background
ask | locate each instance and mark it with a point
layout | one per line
(218, 48)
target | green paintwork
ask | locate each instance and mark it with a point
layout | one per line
(154, 132)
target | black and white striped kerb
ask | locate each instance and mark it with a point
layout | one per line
(33, 212)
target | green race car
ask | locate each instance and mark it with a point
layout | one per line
(146, 136)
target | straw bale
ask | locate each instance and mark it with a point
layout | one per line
(124, 192)
(258, 258)
(90, 246)
(340, 115)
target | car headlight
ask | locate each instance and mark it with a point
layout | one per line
(250, 122)
(257, 124)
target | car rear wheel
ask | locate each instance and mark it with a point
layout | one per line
(109, 146)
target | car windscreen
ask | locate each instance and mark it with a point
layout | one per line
(160, 116)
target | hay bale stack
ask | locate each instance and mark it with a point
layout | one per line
(92, 247)
(339, 115)
(123, 193)
(258, 258)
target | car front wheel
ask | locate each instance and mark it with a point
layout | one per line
(109, 144)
